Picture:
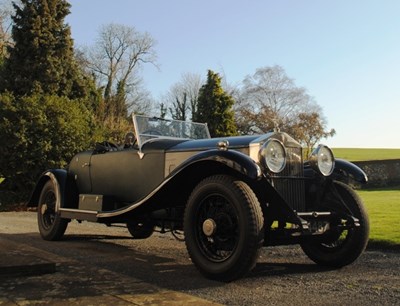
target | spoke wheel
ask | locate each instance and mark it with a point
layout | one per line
(341, 246)
(223, 228)
(51, 225)
(217, 228)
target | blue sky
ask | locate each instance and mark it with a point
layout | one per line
(345, 53)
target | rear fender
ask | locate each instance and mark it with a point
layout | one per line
(60, 180)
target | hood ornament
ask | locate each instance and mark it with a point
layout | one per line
(275, 121)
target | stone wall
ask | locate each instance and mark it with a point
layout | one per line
(381, 173)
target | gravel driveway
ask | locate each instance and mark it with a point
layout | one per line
(283, 275)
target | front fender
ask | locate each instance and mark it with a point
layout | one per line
(235, 160)
(345, 171)
(60, 179)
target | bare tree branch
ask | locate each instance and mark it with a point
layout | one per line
(269, 97)
(117, 57)
(182, 97)
(5, 27)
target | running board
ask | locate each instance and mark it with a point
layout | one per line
(78, 214)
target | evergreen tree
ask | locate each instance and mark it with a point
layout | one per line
(38, 132)
(215, 107)
(42, 57)
(46, 101)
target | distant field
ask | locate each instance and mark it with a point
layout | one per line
(366, 154)
(383, 207)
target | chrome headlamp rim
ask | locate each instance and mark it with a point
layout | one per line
(269, 159)
(322, 160)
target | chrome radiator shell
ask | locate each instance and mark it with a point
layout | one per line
(290, 182)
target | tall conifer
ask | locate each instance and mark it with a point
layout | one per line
(42, 57)
(215, 107)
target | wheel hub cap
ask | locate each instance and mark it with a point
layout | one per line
(209, 227)
(43, 209)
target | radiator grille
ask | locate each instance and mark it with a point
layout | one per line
(290, 182)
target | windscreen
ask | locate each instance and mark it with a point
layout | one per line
(147, 128)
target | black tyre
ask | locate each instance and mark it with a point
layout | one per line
(341, 247)
(223, 227)
(141, 230)
(51, 225)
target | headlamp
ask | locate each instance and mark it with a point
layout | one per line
(322, 160)
(273, 156)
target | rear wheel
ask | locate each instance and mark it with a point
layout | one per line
(141, 229)
(51, 225)
(223, 227)
(341, 246)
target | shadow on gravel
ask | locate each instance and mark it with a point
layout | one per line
(176, 274)
(281, 269)
(383, 245)
(98, 253)
(144, 260)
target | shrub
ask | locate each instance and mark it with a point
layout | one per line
(38, 132)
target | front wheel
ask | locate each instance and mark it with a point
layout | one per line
(223, 227)
(341, 247)
(51, 225)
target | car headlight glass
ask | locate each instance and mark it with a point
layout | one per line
(322, 160)
(273, 156)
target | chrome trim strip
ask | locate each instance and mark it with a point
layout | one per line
(79, 211)
(135, 126)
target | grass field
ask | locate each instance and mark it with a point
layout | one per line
(383, 208)
(366, 154)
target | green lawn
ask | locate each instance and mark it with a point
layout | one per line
(366, 154)
(383, 208)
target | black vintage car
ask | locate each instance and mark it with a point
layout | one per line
(228, 196)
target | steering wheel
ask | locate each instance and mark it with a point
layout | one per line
(130, 140)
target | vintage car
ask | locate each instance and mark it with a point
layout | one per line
(227, 197)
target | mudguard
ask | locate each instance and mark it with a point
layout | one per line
(235, 160)
(345, 171)
(60, 179)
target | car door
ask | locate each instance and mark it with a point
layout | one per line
(124, 175)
